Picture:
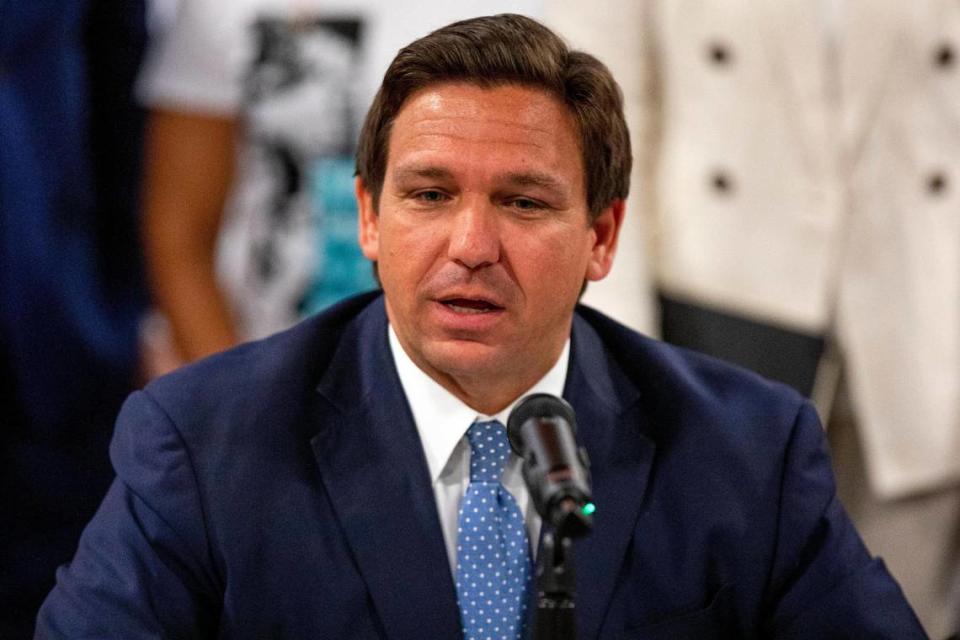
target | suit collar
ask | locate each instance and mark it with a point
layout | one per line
(610, 428)
(373, 469)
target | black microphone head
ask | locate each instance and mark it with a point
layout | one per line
(537, 405)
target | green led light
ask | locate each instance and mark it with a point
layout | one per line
(588, 509)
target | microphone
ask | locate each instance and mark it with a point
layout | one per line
(556, 471)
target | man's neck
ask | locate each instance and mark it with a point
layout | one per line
(488, 399)
(487, 394)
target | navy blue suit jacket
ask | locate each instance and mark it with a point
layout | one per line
(280, 490)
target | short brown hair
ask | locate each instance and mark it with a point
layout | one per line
(508, 49)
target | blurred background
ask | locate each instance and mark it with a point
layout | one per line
(176, 176)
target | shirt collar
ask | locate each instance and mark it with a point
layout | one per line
(441, 418)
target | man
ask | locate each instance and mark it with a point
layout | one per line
(320, 484)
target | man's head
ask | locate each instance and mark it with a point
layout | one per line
(508, 49)
(492, 171)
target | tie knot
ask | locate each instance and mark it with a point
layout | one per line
(489, 450)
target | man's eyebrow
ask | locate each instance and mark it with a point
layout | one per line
(535, 179)
(512, 178)
(402, 174)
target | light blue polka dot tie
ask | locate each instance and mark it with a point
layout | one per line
(493, 555)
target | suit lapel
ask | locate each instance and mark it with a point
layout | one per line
(610, 428)
(372, 465)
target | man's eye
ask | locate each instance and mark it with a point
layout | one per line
(525, 204)
(431, 196)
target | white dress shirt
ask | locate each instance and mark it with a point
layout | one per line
(442, 421)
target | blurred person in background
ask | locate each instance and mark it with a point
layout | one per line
(800, 176)
(255, 107)
(71, 291)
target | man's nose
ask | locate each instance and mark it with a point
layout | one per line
(475, 236)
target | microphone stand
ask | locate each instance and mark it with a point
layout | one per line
(541, 429)
(555, 619)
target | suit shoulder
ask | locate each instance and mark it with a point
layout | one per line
(685, 384)
(277, 369)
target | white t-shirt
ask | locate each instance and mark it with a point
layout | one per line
(299, 75)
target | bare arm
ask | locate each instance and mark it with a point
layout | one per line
(189, 169)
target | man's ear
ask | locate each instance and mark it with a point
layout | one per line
(367, 222)
(606, 228)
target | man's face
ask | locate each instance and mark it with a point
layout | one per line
(482, 236)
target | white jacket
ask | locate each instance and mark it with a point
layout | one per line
(800, 165)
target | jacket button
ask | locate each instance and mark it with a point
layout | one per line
(944, 56)
(721, 182)
(719, 54)
(937, 183)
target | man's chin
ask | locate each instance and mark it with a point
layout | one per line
(467, 358)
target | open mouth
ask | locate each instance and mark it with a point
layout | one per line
(470, 305)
